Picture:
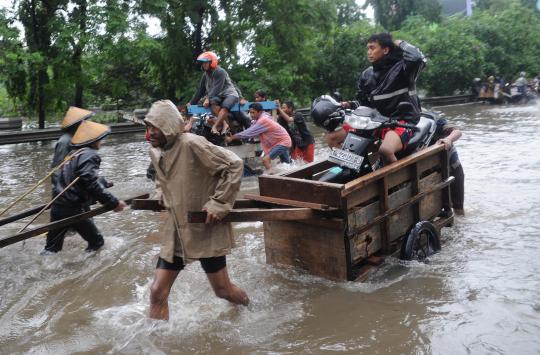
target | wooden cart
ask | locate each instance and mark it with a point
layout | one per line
(395, 211)
(342, 231)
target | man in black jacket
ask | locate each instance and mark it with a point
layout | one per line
(88, 188)
(389, 81)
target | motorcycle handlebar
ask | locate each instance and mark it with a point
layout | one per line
(397, 124)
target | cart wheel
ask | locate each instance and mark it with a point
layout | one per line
(421, 242)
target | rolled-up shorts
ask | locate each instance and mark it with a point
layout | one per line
(282, 152)
(209, 265)
(225, 102)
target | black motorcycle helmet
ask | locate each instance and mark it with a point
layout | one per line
(326, 112)
(337, 96)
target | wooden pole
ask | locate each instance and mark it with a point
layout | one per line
(61, 223)
(22, 214)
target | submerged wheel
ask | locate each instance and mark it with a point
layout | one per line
(421, 242)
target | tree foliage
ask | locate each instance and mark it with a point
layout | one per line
(90, 52)
(391, 14)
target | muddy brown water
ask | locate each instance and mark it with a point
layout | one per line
(478, 296)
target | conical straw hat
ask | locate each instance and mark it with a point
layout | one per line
(74, 115)
(89, 132)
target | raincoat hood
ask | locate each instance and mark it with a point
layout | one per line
(165, 116)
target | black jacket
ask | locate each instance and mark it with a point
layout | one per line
(61, 150)
(302, 137)
(393, 80)
(89, 188)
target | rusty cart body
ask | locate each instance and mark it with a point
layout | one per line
(367, 219)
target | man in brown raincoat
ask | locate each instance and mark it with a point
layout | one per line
(191, 175)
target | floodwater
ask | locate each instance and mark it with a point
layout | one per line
(478, 296)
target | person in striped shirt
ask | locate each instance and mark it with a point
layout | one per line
(275, 140)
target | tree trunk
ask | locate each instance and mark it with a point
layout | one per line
(77, 53)
(42, 80)
(198, 31)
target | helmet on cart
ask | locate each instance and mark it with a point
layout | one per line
(326, 112)
(209, 57)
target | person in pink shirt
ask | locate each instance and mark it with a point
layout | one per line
(275, 140)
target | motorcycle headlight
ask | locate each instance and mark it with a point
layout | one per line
(361, 122)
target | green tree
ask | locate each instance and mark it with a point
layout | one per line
(511, 38)
(500, 5)
(391, 14)
(12, 58)
(454, 57)
(40, 21)
(285, 51)
(342, 58)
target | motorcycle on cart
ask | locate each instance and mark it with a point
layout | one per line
(364, 124)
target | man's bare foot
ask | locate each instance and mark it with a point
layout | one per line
(238, 296)
(225, 128)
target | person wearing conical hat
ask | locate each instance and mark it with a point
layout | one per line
(84, 192)
(74, 116)
(192, 174)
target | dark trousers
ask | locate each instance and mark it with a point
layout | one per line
(87, 229)
(457, 190)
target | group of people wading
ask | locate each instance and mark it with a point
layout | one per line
(180, 158)
(285, 137)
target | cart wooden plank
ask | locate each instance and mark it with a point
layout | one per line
(313, 248)
(259, 214)
(287, 202)
(378, 174)
(314, 192)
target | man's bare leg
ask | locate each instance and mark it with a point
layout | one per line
(267, 162)
(159, 293)
(224, 288)
(222, 118)
(391, 144)
(459, 211)
(335, 139)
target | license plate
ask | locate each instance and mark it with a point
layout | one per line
(345, 158)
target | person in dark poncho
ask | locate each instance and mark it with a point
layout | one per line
(88, 188)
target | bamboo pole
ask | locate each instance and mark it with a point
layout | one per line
(49, 204)
(66, 159)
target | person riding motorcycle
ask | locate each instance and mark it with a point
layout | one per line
(521, 83)
(390, 80)
(221, 92)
